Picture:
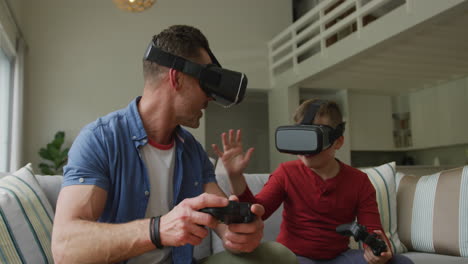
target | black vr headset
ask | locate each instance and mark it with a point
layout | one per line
(226, 87)
(306, 139)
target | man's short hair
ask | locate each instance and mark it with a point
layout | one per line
(329, 110)
(181, 40)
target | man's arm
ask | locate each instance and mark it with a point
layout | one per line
(78, 238)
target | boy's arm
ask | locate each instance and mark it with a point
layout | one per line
(235, 161)
(368, 212)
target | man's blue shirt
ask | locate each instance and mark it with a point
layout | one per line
(106, 154)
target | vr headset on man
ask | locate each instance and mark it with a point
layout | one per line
(226, 87)
(307, 139)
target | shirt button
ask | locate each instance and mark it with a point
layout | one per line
(134, 137)
(81, 180)
(196, 183)
(146, 193)
(144, 141)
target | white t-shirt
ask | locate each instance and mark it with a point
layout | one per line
(159, 160)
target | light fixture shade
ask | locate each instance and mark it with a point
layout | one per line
(134, 5)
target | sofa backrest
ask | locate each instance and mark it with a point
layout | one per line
(51, 185)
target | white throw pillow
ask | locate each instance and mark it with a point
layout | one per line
(26, 219)
(383, 180)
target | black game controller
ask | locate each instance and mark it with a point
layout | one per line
(233, 213)
(360, 234)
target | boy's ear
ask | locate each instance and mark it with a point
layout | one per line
(338, 143)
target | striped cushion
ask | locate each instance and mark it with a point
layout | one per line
(433, 212)
(383, 179)
(26, 219)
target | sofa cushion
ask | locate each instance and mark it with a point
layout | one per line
(433, 212)
(26, 219)
(430, 258)
(383, 180)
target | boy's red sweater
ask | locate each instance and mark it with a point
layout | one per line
(313, 208)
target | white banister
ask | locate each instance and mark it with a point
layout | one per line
(309, 34)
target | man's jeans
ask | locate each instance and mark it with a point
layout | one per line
(267, 253)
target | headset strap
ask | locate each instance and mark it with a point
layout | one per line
(169, 60)
(310, 116)
(312, 111)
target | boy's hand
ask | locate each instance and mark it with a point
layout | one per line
(234, 159)
(384, 256)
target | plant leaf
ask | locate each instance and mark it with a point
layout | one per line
(59, 139)
(45, 154)
(45, 169)
(53, 153)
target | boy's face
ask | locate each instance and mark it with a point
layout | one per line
(327, 155)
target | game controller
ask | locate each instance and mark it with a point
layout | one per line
(360, 234)
(233, 213)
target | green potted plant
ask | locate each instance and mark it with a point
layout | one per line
(55, 157)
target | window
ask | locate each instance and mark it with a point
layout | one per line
(5, 109)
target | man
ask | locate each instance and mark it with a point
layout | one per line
(136, 179)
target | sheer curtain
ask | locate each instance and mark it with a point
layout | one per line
(12, 49)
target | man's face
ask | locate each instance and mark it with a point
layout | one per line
(193, 98)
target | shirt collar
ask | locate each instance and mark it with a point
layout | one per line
(135, 125)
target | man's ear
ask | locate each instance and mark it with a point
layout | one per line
(174, 79)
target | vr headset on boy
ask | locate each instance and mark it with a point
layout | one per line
(226, 87)
(306, 139)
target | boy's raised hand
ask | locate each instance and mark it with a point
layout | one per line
(234, 159)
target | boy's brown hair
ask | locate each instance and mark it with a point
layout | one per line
(330, 109)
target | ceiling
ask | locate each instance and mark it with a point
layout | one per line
(429, 54)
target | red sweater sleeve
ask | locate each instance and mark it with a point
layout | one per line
(368, 211)
(271, 196)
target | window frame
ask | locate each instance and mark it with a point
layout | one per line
(10, 57)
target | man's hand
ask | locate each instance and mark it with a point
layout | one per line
(233, 156)
(384, 256)
(185, 224)
(244, 237)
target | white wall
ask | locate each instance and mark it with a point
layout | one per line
(84, 56)
(251, 116)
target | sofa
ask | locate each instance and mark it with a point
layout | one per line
(28, 201)
(423, 211)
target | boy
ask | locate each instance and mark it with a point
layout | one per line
(319, 193)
